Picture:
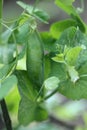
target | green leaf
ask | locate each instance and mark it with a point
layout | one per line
(6, 85)
(67, 2)
(25, 86)
(66, 6)
(39, 14)
(6, 34)
(71, 37)
(82, 26)
(7, 53)
(26, 111)
(40, 113)
(54, 69)
(7, 70)
(67, 39)
(49, 42)
(58, 27)
(51, 83)
(59, 58)
(20, 34)
(83, 68)
(30, 111)
(26, 7)
(75, 91)
(72, 55)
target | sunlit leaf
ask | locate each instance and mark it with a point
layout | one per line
(59, 58)
(72, 55)
(67, 2)
(7, 85)
(58, 27)
(66, 6)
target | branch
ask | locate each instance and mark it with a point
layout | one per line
(6, 115)
(2, 125)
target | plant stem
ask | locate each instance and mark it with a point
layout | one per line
(6, 115)
(50, 95)
(1, 10)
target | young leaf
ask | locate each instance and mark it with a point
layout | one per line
(58, 27)
(72, 55)
(59, 58)
(51, 83)
(6, 85)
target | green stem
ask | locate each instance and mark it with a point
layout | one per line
(1, 10)
(50, 95)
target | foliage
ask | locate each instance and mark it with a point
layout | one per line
(56, 60)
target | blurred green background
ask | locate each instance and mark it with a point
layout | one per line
(73, 113)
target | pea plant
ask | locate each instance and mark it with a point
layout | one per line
(56, 60)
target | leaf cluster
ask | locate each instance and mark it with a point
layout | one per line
(56, 61)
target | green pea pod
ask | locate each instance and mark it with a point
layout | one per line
(34, 59)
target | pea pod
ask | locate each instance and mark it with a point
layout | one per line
(34, 59)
